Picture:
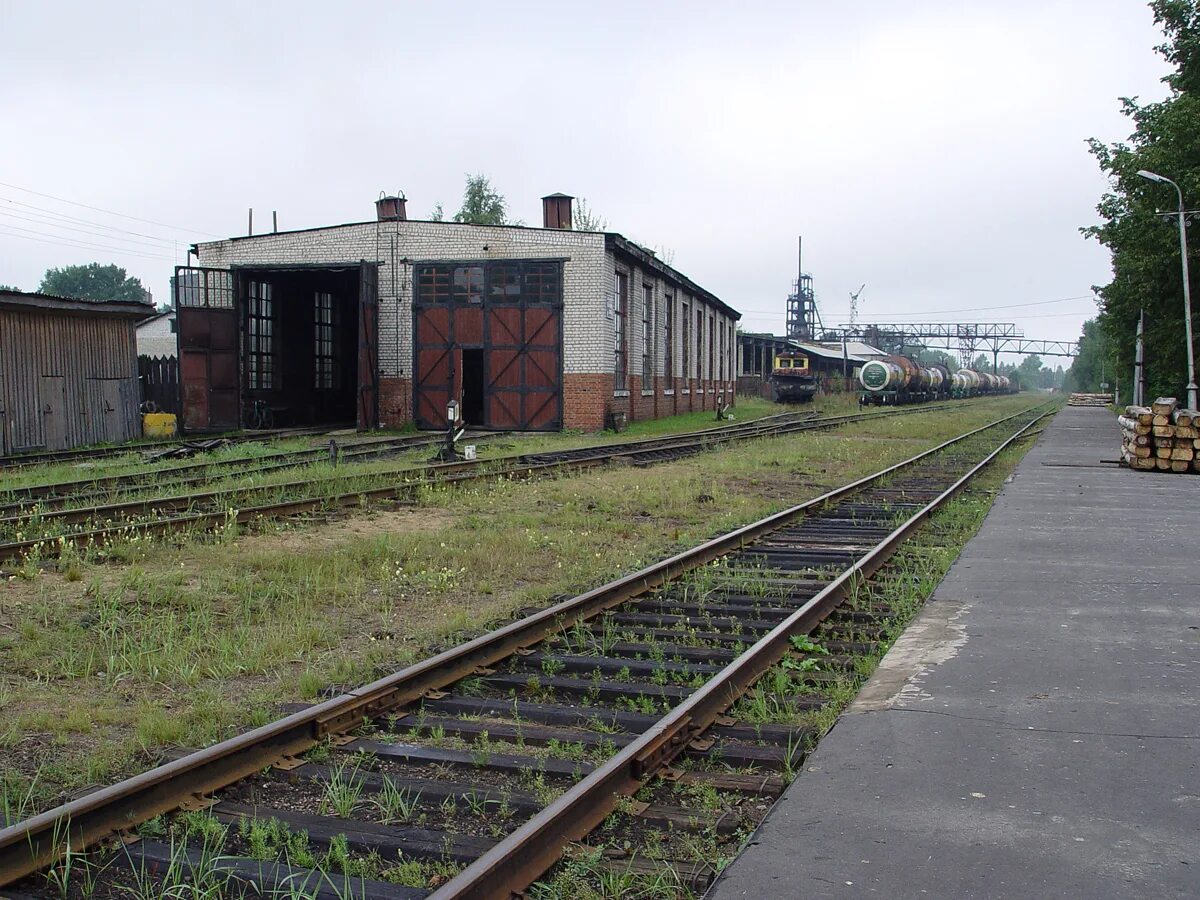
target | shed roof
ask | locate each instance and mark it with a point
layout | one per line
(75, 305)
(828, 351)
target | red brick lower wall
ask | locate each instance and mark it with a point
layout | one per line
(395, 402)
(690, 395)
(587, 400)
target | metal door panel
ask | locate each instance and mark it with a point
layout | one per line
(368, 346)
(207, 322)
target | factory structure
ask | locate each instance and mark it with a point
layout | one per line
(386, 322)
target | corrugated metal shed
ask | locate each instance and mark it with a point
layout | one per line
(68, 371)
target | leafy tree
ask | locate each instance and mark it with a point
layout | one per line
(1145, 246)
(584, 218)
(93, 282)
(981, 363)
(1094, 363)
(438, 214)
(10, 287)
(941, 357)
(482, 204)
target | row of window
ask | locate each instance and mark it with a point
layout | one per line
(261, 373)
(508, 281)
(692, 319)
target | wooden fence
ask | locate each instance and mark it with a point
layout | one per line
(159, 377)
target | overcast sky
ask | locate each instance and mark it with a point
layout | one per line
(933, 150)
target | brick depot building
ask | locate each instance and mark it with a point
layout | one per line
(382, 323)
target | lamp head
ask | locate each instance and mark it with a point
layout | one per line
(1151, 176)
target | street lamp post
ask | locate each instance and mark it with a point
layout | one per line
(1187, 294)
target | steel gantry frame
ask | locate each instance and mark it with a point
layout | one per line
(965, 338)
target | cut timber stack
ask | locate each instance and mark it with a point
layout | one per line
(1161, 437)
(1081, 399)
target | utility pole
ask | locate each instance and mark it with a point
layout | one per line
(1187, 290)
(1139, 364)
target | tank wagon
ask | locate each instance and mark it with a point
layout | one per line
(898, 379)
(792, 379)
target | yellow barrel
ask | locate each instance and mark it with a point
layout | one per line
(158, 425)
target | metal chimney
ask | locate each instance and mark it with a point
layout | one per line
(556, 212)
(390, 207)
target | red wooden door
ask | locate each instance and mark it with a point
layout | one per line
(208, 348)
(523, 390)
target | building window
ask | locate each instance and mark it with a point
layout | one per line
(324, 341)
(686, 319)
(711, 344)
(260, 337)
(505, 281)
(543, 282)
(621, 333)
(668, 340)
(467, 284)
(433, 284)
(647, 336)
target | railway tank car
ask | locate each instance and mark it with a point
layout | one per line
(898, 379)
(792, 379)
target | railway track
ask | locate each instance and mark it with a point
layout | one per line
(53, 495)
(49, 457)
(610, 720)
(46, 528)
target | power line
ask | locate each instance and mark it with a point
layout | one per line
(108, 211)
(939, 312)
(43, 211)
(88, 231)
(81, 245)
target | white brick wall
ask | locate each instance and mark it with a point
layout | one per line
(155, 337)
(588, 280)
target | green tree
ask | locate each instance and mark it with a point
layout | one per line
(941, 357)
(438, 214)
(584, 218)
(93, 282)
(1029, 371)
(1145, 245)
(1094, 362)
(10, 287)
(482, 204)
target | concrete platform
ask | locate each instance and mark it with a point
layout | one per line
(1036, 732)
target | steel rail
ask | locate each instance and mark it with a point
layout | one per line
(27, 495)
(31, 845)
(523, 466)
(521, 858)
(49, 457)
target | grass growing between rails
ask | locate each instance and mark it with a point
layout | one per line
(103, 666)
(904, 584)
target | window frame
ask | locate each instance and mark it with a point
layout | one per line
(621, 332)
(647, 337)
(668, 355)
(326, 371)
(260, 337)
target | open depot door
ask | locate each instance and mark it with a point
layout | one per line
(208, 348)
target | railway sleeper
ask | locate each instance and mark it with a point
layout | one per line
(419, 754)
(258, 878)
(430, 790)
(362, 835)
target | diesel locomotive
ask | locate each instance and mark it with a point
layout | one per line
(792, 380)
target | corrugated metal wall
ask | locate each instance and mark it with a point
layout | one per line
(66, 380)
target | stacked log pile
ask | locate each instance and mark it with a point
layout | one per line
(1084, 399)
(1161, 437)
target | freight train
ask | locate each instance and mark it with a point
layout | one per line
(898, 379)
(792, 380)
